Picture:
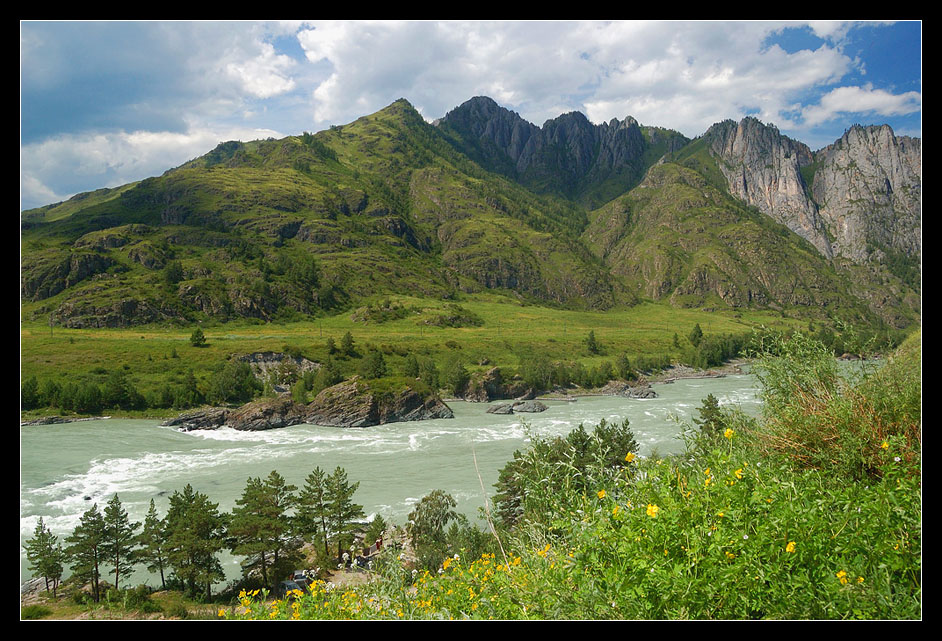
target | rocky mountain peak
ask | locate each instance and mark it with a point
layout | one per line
(869, 188)
(763, 168)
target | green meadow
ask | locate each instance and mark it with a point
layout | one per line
(501, 333)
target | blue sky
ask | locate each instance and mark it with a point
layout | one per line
(107, 103)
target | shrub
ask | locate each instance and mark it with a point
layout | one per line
(31, 612)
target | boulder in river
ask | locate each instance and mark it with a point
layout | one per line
(202, 419)
(518, 406)
(266, 414)
(358, 403)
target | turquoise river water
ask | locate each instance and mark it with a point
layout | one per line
(66, 468)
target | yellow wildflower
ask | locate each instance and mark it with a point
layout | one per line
(728, 433)
(842, 575)
(738, 473)
(601, 494)
(629, 457)
(653, 510)
(221, 612)
(790, 547)
(614, 510)
(885, 445)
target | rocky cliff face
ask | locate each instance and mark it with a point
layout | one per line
(569, 155)
(868, 185)
(865, 191)
(763, 169)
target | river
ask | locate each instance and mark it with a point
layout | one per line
(66, 468)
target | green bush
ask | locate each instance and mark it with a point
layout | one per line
(35, 611)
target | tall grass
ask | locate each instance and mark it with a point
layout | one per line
(743, 525)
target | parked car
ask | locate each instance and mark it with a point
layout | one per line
(285, 587)
(301, 579)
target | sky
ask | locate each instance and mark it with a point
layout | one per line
(103, 104)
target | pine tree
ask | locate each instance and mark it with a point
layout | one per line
(342, 511)
(346, 345)
(312, 511)
(86, 549)
(711, 419)
(696, 335)
(152, 542)
(196, 533)
(45, 555)
(328, 375)
(197, 338)
(592, 344)
(373, 365)
(260, 527)
(119, 540)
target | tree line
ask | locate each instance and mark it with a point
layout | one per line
(269, 527)
(234, 382)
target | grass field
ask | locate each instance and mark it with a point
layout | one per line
(507, 331)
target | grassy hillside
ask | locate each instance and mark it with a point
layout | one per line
(678, 237)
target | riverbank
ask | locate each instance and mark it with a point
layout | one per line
(666, 376)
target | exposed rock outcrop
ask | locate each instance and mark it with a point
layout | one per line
(491, 385)
(568, 154)
(519, 406)
(277, 365)
(354, 403)
(763, 168)
(869, 188)
(266, 414)
(621, 388)
(202, 419)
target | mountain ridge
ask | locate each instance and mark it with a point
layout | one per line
(479, 200)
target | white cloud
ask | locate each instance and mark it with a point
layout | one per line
(264, 75)
(685, 75)
(863, 100)
(203, 79)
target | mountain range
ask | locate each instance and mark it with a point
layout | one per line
(570, 214)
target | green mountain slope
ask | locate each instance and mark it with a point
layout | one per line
(276, 228)
(311, 224)
(677, 237)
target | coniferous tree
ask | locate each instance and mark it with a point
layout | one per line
(197, 338)
(119, 540)
(373, 365)
(454, 375)
(152, 542)
(196, 533)
(45, 555)
(328, 375)
(696, 335)
(342, 511)
(623, 367)
(312, 511)
(260, 527)
(346, 345)
(711, 419)
(592, 344)
(411, 367)
(86, 549)
(29, 393)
